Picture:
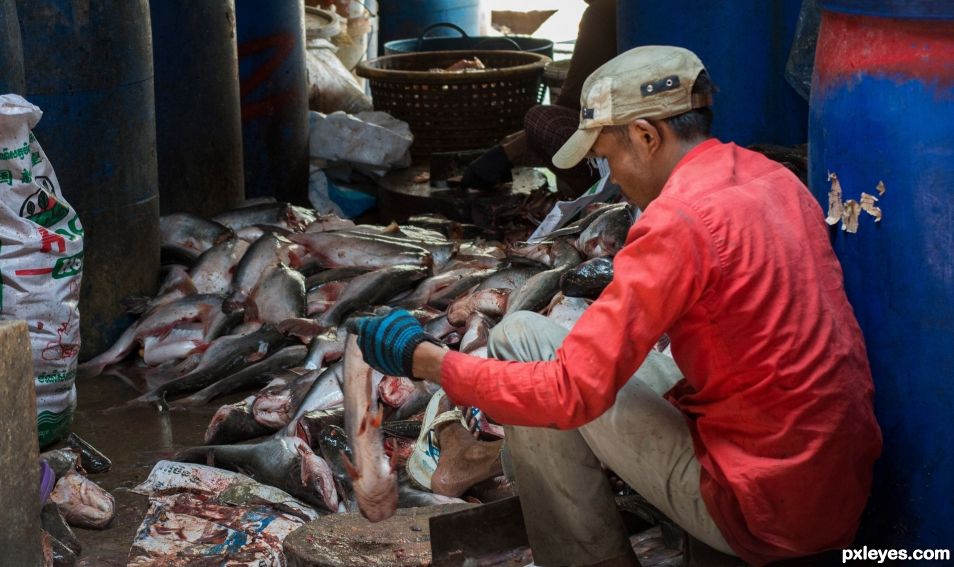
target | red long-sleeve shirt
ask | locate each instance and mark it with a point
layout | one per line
(733, 261)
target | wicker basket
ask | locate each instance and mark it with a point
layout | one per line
(455, 111)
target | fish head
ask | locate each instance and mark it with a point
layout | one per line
(316, 475)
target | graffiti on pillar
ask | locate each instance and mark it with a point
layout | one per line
(259, 97)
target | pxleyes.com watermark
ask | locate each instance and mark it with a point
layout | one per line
(891, 555)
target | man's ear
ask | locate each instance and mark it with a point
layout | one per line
(644, 134)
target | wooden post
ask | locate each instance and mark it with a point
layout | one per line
(19, 471)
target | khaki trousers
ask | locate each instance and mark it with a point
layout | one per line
(568, 506)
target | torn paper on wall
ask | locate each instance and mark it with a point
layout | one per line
(869, 204)
(835, 207)
(849, 216)
(848, 211)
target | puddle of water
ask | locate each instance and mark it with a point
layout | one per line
(134, 439)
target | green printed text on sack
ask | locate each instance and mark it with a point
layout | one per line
(69, 266)
(55, 377)
(16, 153)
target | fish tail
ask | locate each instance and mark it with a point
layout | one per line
(135, 304)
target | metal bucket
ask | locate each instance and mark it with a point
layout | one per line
(274, 93)
(882, 106)
(467, 43)
(744, 45)
(90, 71)
(198, 113)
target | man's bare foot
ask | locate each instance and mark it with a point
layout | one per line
(464, 461)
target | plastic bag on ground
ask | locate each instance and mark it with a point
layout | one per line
(41, 263)
(200, 514)
(190, 529)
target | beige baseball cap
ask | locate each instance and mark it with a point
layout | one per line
(650, 82)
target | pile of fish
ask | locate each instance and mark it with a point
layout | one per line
(259, 298)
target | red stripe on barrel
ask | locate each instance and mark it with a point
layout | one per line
(864, 45)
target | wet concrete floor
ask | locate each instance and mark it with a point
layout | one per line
(134, 439)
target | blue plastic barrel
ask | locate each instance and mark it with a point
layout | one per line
(882, 111)
(744, 45)
(198, 112)
(11, 52)
(274, 93)
(404, 19)
(89, 68)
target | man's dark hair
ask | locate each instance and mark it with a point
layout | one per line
(696, 123)
(687, 126)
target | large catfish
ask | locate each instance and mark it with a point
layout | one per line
(374, 478)
(287, 463)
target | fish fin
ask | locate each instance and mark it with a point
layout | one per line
(251, 310)
(178, 280)
(393, 460)
(303, 473)
(89, 369)
(302, 328)
(227, 234)
(377, 417)
(159, 333)
(233, 304)
(200, 346)
(296, 256)
(186, 285)
(349, 467)
(136, 305)
(371, 420)
(302, 433)
(207, 316)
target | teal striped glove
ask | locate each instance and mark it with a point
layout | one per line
(387, 341)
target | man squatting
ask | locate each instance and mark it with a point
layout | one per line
(758, 436)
